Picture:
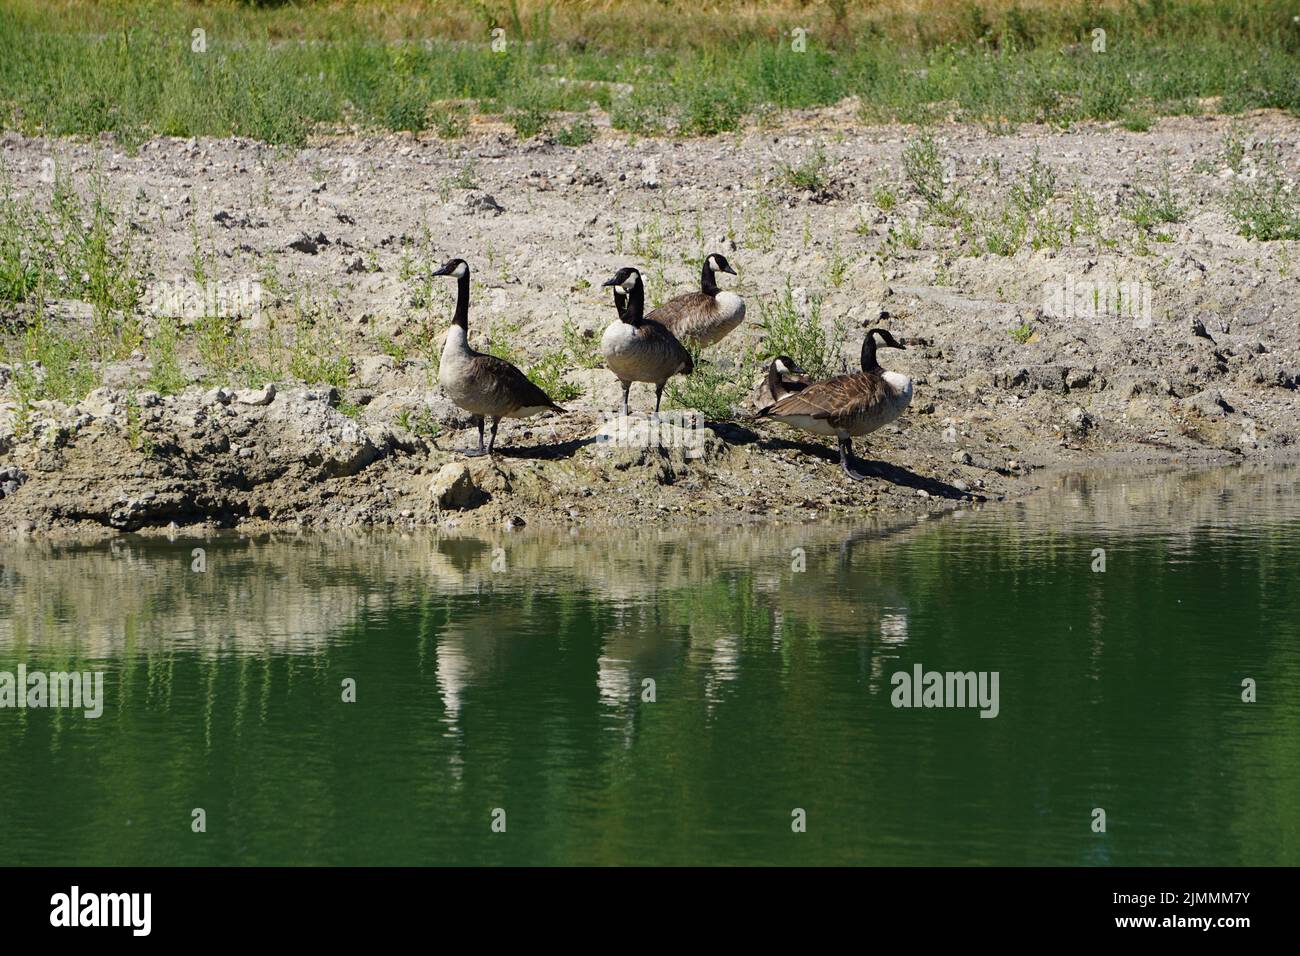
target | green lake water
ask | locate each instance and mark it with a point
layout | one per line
(509, 673)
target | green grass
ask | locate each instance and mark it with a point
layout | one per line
(130, 69)
(712, 389)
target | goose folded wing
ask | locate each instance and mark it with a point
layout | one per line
(652, 331)
(679, 314)
(844, 397)
(499, 376)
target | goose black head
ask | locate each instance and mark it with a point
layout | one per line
(720, 263)
(869, 363)
(626, 279)
(629, 294)
(453, 267)
(785, 365)
(887, 340)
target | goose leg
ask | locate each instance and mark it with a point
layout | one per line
(476, 452)
(626, 388)
(492, 440)
(659, 394)
(846, 456)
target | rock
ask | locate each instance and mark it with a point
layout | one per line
(453, 488)
(372, 368)
(102, 404)
(961, 458)
(482, 204)
(357, 265)
(256, 396)
(1209, 403)
(309, 244)
(218, 396)
(1081, 421)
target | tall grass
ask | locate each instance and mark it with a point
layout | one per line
(279, 74)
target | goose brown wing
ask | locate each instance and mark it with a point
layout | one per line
(679, 314)
(499, 378)
(839, 399)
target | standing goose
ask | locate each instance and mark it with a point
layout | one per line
(483, 385)
(849, 405)
(705, 317)
(636, 348)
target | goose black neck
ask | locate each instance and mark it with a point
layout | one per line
(635, 310)
(773, 380)
(708, 282)
(461, 315)
(869, 363)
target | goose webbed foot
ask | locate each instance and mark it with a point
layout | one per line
(846, 458)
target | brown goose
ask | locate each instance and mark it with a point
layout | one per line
(848, 405)
(705, 317)
(483, 385)
(639, 349)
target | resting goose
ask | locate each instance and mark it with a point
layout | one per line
(848, 405)
(705, 317)
(784, 378)
(483, 385)
(636, 348)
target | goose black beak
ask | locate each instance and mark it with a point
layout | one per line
(612, 280)
(442, 270)
(728, 270)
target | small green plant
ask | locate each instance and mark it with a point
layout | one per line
(925, 169)
(711, 388)
(578, 133)
(1022, 333)
(760, 224)
(1154, 205)
(165, 376)
(584, 350)
(530, 121)
(885, 198)
(1036, 187)
(803, 338)
(548, 372)
(1266, 208)
(811, 174)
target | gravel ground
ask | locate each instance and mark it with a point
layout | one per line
(1009, 384)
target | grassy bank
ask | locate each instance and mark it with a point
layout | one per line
(282, 72)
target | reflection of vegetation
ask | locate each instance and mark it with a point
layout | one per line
(772, 688)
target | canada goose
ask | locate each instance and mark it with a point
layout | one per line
(705, 317)
(483, 385)
(784, 378)
(849, 405)
(639, 349)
